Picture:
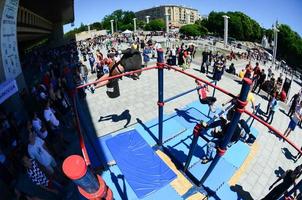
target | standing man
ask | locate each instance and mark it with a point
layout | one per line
(260, 81)
(205, 60)
(296, 118)
(272, 109)
(294, 102)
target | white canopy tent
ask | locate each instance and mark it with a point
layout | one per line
(127, 32)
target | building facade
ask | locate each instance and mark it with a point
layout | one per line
(178, 15)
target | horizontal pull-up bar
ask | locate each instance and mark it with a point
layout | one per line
(117, 76)
(278, 133)
(184, 93)
(204, 81)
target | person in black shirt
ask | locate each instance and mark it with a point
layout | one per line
(295, 100)
(260, 81)
(205, 60)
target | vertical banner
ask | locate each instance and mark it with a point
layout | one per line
(9, 45)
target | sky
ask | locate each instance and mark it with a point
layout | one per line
(265, 12)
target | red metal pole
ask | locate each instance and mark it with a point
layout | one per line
(274, 130)
(80, 135)
(118, 76)
(204, 81)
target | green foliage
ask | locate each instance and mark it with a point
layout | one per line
(193, 30)
(122, 19)
(289, 46)
(241, 26)
(71, 34)
(155, 25)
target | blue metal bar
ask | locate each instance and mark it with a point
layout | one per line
(213, 95)
(184, 93)
(191, 151)
(195, 139)
(160, 62)
(230, 131)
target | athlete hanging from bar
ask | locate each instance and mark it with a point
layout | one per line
(130, 61)
(203, 98)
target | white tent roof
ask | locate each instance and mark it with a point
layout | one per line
(127, 31)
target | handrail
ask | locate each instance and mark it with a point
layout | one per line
(202, 80)
(117, 76)
(80, 135)
(184, 93)
(278, 133)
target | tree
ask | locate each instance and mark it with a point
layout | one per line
(96, 25)
(193, 30)
(122, 20)
(289, 46)
(241, 26)
(155, 25)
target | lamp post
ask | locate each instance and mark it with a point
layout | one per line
(147, 19)
(167, 22)
(115, 23)
(226, 27)
(134, 22)
(111, 21)
(275, 29)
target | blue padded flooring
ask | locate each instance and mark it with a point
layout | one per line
(226, 193)
(222, 172)
(103, 154)
(122, 190)
(143, 169)
(149, 130)
(237, 153)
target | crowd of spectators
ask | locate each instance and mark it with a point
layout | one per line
(32, 150)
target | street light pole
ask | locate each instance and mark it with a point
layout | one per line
(134, 21)
(147, 19)
(111, 21)
(115, 23)
(167, 23)
(275, 29)
(226, 27)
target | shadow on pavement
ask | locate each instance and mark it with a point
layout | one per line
(279, 171)
(241, 193)
(125, 115)
(288, 154)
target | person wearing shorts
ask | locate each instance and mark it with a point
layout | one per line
(203, 98)
(296, 118)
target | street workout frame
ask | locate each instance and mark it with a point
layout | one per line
(239, 105)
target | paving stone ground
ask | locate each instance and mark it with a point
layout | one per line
(139, 98)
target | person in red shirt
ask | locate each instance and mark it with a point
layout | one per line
(204, 98)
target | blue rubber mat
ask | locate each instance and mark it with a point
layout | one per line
(149, 130)
(122, 190)
(98, 153)
(222, 172)
(254, 131)
(180, 147)
(237, 153)
(225, 192)
(143, 169)
(188, 117)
